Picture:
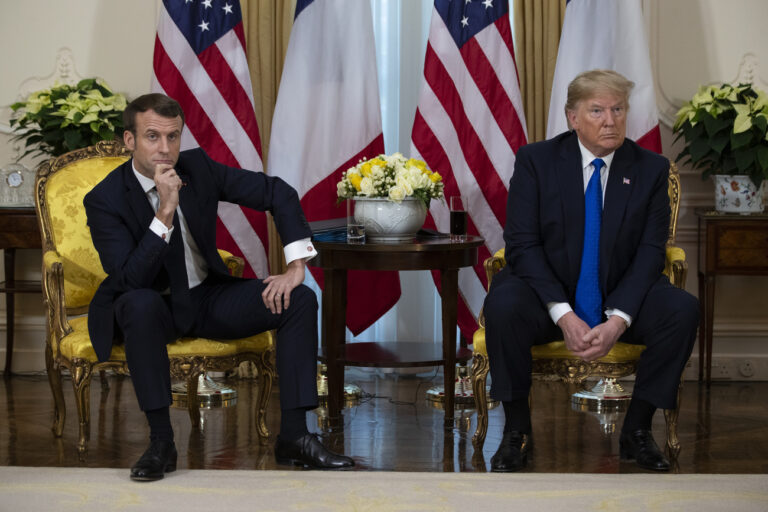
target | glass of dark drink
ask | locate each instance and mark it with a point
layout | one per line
(458, 219)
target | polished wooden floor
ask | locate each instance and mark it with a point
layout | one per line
(723, 429)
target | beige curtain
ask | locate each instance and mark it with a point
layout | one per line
(267, 25)
(538, 24)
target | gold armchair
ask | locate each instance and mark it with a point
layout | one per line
(555, 359)
(71, 273)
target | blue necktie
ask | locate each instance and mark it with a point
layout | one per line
(589, 300)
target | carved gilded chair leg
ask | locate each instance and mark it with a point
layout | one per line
(54, 379)
(671, 415)
(193, 406)
(81, 382)
(266, 375)
(479, 376)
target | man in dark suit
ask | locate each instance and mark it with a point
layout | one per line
(586, 266)
(153, 223)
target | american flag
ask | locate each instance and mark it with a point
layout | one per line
(469, 124)
(327, 118)
(200, 61)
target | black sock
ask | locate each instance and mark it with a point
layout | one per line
(517, 415)
(159, 424)
(293, 424)
(639, 415)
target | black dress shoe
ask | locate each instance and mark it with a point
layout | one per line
(160, 458)
(309, 451)
(640, 446)
(512, 454)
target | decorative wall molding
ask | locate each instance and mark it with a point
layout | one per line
(748, 69)
(64, 72)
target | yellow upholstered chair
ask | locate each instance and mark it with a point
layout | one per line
(555, 359)
(72, 272)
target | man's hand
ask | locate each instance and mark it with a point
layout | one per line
(602, 338)
(168, 185)
(574, 329)
(277, 294)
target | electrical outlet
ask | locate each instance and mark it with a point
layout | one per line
(746, 369)
(720, 370)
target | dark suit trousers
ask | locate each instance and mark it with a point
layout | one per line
(225, 310)
(516, 320)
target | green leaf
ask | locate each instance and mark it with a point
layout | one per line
(760, 122)
(714, 125)
(699, 148)
(762, 157)
(739, 140)
(720, 141)
(73, 140)
(745, 160)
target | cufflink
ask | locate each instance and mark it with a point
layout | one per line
(309, 248)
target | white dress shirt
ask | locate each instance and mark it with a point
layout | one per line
(558, 309)
(197, 268)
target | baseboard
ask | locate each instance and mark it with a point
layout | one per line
(748, 367)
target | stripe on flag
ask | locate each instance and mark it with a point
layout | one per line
(200, 61)
(469, 124)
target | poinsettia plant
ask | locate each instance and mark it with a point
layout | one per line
(67, 117)
(726, 131)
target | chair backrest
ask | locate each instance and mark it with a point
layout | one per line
(61, 186)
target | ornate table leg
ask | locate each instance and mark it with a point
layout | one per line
(334, 321)
(449, 291)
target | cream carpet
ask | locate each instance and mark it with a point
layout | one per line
(85, 490)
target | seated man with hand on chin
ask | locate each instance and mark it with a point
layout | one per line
(587, 224)
(153, 223)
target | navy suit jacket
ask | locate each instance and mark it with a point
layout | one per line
(545, 222)
(119, 215)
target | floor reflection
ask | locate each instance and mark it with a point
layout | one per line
(393, 427)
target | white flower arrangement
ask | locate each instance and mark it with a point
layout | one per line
(393, 177)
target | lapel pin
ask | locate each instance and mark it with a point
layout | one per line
(626, 181)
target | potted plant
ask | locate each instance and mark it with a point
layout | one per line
(392, 195)
(67, 117)
(725, 131)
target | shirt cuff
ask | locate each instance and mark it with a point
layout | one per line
(557, 310)
(617, 312)
(299, 249)
(161, 230)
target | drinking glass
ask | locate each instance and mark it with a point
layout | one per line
(355, 228)
(458, 220)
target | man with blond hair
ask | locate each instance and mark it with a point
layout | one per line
(587, 224)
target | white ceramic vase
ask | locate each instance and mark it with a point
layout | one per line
(737, 194)
(387, 221)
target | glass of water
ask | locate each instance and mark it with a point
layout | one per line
(355, 228)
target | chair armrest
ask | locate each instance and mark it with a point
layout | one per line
(234, 264)
(53, 295)
(675, 266)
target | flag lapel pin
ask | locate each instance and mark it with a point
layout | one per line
(626, 181)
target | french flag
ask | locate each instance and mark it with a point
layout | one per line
(607, 35)
(326, 119)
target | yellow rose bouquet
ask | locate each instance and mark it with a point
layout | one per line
(393, 177)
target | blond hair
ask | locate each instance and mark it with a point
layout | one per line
(589, 83)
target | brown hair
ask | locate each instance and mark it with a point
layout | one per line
(592, 82)
(159, 103)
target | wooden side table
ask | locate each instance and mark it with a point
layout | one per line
(336, 258)
(729, 244)
(18, 230)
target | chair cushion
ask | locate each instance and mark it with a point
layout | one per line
(621, 352)
(77, 344)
